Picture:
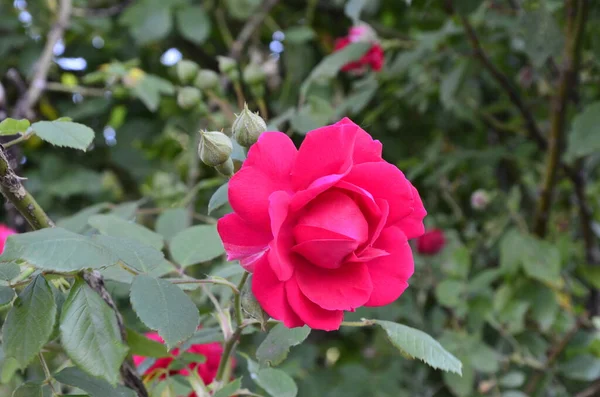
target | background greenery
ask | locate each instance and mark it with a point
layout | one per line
(474, 95)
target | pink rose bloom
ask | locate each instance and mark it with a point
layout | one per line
(5, 231)
(374, 57)
(324, 229)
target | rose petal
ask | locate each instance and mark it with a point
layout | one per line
(241, 240)
(270, 293)
(412, 224)
(345, 288)
(314, 316)
(280, 255)
(328, 254)
(274, 154)
(366, 149)
(316, 158)
(303, 197)
(390, 274)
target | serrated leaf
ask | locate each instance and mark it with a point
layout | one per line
(6, 295)
(56, 249)
(196, 244)
(150, 88)
(64, 133)
(164, 307)
(276, 346)
(276, 382)
(126, 210)
(96, 387)
(148, 20)
(90, 335)
(193, 24)
(229, 389)
(78, 223)
(10, 126)
(9, 270)
(29, 322)
(203, 336)
(218, 199)
(132, 253)
(542, 35)
(171, 222)
(114, 226)
(142, 346)
(584, 138)
(419, 345)
(32, 389)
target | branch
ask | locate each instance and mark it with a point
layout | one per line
(251, 25)
(576, 14)
(591, 391)
(24, 105)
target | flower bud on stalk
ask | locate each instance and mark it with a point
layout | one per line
(228, 67)
(207, 79)
(188, 97)
(186, 71)
(247, 127)
(226, 169)
(215, 148)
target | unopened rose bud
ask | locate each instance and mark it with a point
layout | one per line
(188, 97)
(253, 74)
(247, 127)
(186, 71)
(206, 79)
(215, 148)
(228, 67)
(431, 242)
(480, 199)
(225, 169)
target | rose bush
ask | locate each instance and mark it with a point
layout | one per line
(431, 242)
(373, 58)
(324, 229)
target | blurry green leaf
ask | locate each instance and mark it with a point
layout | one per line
(584, 137)
(584, 367)
(9, 270)
(450, 293)
(461, 385)
(64, 133)
(459, 263)
(451, 83)
(276, 346)
(229, 389)
(133, 253)
(512, 379)
(148, 20)
(90, 335)
(10, 365)
(353, 8)
(149, 89)
(6, 295)
(29, 322)
(362, 93)
(419, 345)
(542, 35)
(142, 346)
(10, 126)
(114, 226)
(513, 316)
(314, 114)
(171, 222)
(542, 261)
(484, 358)
(78, 223)
(196, 244)
(299, 34)
(204, 335)
(32, 389)
(193, 24)
(219, 198)
(164, 307)
(96, 387)
(80, 181)
(590, 273)
(543, 303)
(482, 281)
(242, 9)
(466, 7)
(276, 382)
(126, 210)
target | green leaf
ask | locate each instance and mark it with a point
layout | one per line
(331, 64)
(9, 270)
(32, 389)
(298, 35)
(114, 226)
(132, 253)
(96, 387)
(57, 249)
(171, 222)
(10, 126)
(512, 379)
(126, 210)
(29, 322)
(461, 385)
(64, 133)
(142, 346)
(203, 336)
(78, 223)
(584, 367)
(10, 366)
(276, 382)
(419, 345)
(149, 89)
(196, 244)
(584, 137)
(353, 9)
(90, 335)
(6, 295)
(315, 113)
(193, 24)
(218, 199)
(164, 307)
(148, 20)
(276, 346)
(466, 7)
(542, 35)
(450, 293)
(229, 389)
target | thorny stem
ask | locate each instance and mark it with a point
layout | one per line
(237, 300)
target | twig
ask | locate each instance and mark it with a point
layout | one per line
(47, 373)
(251, 25)
(239, 318)
(85, 91)
(590, 391)
(576, 14)
(206, 281)
(26, 102)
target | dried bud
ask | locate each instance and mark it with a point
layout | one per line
(207, 80)
(188, 97)
(186, 71)
(247, 127)
(480, 199)
(215, 148)
(253, 74)
(228, 67)
(225, 169)
(251, 306)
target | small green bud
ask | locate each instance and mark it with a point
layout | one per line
(207, 80)
(247, 127)
(215, 148)
(226, 64)
(253, 74)
(186, 71)
(225, 169)
(188, 97)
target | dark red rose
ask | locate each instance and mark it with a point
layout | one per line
(431, 242)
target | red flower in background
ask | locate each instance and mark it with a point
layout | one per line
(431, 242)
(373, 58)
(207, 370)
(5, 231)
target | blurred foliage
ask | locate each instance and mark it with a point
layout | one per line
(518, 310)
